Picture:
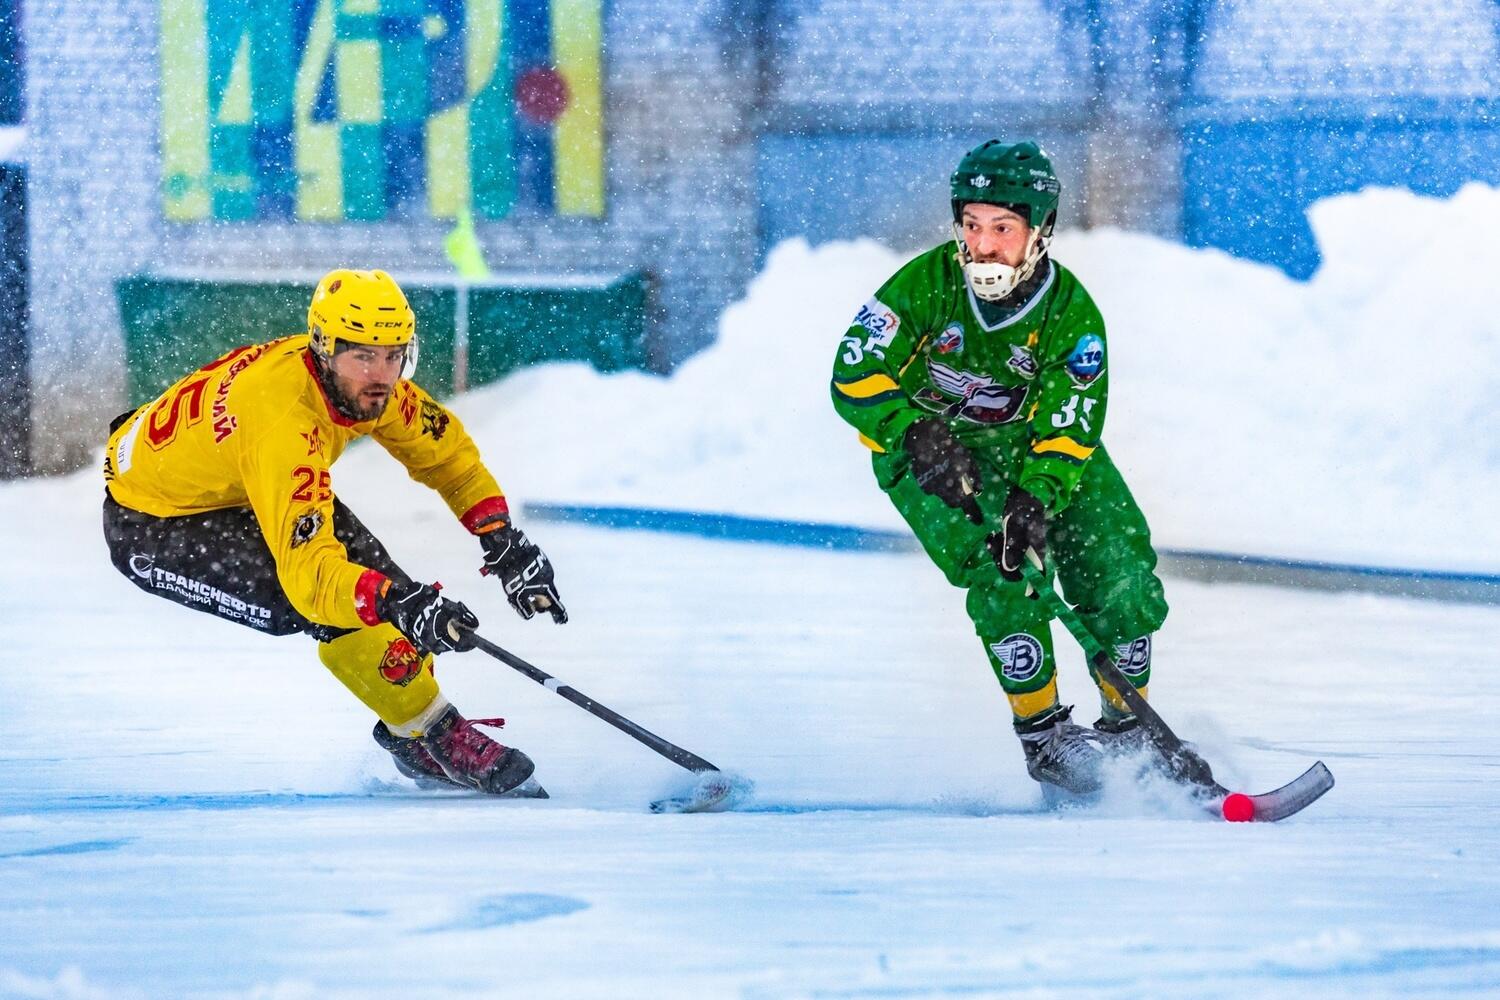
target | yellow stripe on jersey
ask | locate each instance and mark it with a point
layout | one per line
(1063, 446)
(870, 385)
(870, 444)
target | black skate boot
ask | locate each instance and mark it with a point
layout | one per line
(471, 759)
(412, 759)
(1062, 754)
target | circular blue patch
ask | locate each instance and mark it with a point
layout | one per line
(1086, 362)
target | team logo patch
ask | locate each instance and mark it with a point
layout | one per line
(950, 340)
(401, 663)
(314, 439)
(880, 320)
(1022, 361)
(1020, 656)
(1134, 658)
(975, 398)
(408, 405)
(1086, 363)
(434, 420)
(306, 528)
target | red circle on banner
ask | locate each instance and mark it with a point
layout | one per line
(541, 94)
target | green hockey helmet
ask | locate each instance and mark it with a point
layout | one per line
(1002, 173)
(1018, 176)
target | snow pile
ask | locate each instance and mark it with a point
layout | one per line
(1342, 418)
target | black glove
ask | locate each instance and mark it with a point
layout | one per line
(942, 467)
(524, 571)
(1023, 527)
(433, 623)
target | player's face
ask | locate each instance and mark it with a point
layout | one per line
(994, 234)
(365, 377)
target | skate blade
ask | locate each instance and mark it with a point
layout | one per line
(528, 789)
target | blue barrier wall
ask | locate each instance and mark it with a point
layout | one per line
(1247, 182)
(1288, 102)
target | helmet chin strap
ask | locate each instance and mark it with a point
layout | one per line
(993, 281)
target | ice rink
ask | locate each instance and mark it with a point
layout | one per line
(194, 810)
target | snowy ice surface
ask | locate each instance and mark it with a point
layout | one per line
(193, 810)
(1347, 418)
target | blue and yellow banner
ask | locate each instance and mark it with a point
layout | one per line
(376, 109)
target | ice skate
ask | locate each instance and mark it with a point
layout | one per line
(1064, 755)
(412, 759)
(470, 759)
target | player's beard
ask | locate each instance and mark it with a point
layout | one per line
(350, 399)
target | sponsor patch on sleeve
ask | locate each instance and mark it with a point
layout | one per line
(880, 321)
(1086, 363)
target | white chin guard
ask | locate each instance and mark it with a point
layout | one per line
(993, 281)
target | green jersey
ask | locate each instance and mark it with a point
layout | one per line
(1025, 391)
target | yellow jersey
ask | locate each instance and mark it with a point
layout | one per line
(255, 428)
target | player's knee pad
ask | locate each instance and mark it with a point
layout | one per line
(384, 670)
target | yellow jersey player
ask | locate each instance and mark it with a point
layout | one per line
(218, 497)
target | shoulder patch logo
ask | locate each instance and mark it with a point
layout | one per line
(880, 320)
(434, 420)
(1086, 363)
(408, 404)
(950, 340)
(1020, 656)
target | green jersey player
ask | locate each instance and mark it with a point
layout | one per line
(978, 376)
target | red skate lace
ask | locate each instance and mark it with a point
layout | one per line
(470, 749)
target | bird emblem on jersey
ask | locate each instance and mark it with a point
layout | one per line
(967, 396)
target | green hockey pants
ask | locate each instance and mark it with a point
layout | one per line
(1100, 549)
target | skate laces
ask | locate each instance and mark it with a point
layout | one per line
(1067, 746)
(468, 748)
